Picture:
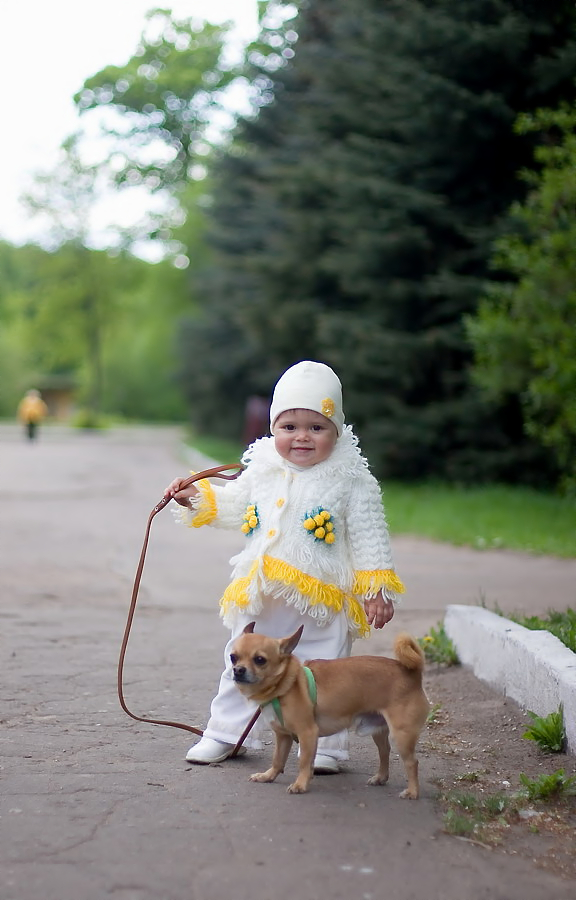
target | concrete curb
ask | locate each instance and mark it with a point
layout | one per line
(532, 667)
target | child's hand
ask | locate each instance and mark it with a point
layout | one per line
(181, 496)
(379, 610)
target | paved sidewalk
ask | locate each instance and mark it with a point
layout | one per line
(95, 804)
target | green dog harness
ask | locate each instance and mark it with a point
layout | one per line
(275, 703)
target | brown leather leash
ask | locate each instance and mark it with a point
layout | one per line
(215, 472)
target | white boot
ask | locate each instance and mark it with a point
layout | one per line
(208, 751)
(325, 765)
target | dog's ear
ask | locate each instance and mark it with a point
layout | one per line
(249, 628)
(287, 645)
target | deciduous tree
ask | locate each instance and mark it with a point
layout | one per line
(524, 333)
(161, 101)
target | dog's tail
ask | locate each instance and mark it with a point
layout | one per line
(408, 652)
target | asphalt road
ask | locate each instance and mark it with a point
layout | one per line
(96, 805)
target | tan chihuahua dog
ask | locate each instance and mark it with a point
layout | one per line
(371, 694)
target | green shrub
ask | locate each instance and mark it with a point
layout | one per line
(87, 418)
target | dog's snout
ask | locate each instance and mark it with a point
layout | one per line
(239, 673)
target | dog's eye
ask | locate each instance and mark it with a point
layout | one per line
(260, 660)
(233, 659)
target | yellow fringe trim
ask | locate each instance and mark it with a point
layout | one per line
(312, 588)
(370, 582)
(315, 591)
(357, 616)
(236, 594)
(207, 509)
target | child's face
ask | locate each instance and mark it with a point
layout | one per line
(304, 437)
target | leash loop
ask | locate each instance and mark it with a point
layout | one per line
(215, 472)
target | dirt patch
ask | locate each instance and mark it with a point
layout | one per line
(475, 744)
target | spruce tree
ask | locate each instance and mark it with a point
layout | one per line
(354, 216)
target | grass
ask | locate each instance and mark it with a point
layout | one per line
(218, 449)
(482, 815)
(486, 517)
(434, 716)
(561, 624)
(470, 815)
(438, 647)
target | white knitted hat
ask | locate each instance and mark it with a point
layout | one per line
(309, 385)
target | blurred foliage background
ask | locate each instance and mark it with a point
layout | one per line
(399, 202)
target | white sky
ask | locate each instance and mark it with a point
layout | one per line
(49, 48)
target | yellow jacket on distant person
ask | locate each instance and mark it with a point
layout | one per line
(32, 409)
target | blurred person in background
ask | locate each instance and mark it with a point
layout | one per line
(31, 411)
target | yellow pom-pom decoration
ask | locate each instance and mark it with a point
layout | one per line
(251, 520)
(328, 408)
(318, 523)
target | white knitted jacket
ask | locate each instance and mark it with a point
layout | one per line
(323, 565)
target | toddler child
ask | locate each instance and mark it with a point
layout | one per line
(316, 548)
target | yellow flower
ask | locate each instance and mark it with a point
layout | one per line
(252, 521)
(320, 533)
(325, 515)
(245, 528)
(330, 537)
(329, 527)
(319, 519)
(309, 524)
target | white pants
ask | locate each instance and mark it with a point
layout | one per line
(230, 711)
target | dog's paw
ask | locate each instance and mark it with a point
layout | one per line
(378, 779)
(297, 788)
(264, 777)
(409, 794)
